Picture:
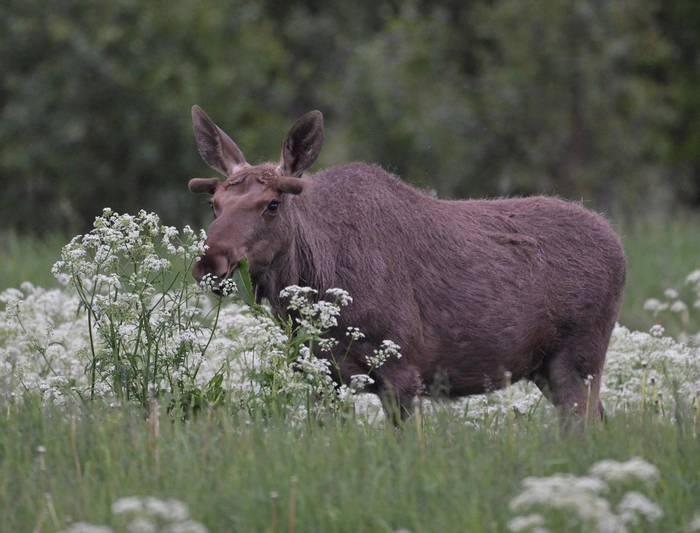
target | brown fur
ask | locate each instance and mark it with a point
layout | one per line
(469, 289)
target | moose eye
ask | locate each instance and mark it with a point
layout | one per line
(273, 205)
(213, 209)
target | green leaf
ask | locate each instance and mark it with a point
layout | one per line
(245, 283)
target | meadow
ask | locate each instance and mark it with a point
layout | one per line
(134, 401)
(447, 476)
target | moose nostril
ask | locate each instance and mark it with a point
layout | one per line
(221, 266)
(214, 265)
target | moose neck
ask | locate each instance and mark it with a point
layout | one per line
(305, 262)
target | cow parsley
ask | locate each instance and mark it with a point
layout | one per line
(145, 514)
(146, 329)
(586, 501)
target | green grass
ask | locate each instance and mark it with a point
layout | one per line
(28, 259)
(660, 254)
(447, 477)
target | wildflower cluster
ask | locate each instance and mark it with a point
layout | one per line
(675, 306)
(148, 325)
(315, 317)
(145, 514)
(387, 350)
(570, 501)
(43, 344)
(649, 371)
(211, 283)
(289, 366)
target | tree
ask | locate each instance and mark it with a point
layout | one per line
(568, 101)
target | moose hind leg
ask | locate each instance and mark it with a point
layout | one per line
(573, 376)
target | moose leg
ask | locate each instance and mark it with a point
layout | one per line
(573, 377)
(540, 379)
(398, 387)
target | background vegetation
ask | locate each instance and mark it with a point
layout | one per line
(585, 98)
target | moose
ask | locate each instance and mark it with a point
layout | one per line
(477, 293)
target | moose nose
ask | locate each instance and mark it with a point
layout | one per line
(216, 265)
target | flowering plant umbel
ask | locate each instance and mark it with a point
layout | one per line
(285, 366)
(679, 304)
(149, 325)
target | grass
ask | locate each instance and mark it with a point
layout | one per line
(660, 254)
(25, 258)
(339, 477)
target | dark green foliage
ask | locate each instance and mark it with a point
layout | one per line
(680, 21)
(581, 98)
(96, 96)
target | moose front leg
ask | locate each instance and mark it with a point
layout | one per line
(398, 386)
(396, 382)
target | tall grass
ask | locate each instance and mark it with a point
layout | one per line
(24, 258)
(445, 476)
(660, 254)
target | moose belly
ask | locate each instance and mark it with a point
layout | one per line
(477, 363)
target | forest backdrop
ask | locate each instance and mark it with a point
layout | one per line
(589, 99)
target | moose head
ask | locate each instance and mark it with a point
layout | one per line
(249, 203)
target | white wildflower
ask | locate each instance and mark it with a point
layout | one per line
(526, 523)
(359, 382)
(381, 355)
(345, 393)
(634, 505)
(128, 505)
(313, 367)
(228, 287)
(85, 527)
(657, 330)
(340, 296)
(568, 493)
(208, 282)
(326, 345)
(652, 304)
(188, 526)
(678, 307)
(694, 525)
(636, 469)
(298, 296)
(152, 264)
(173, 510)
(326, 313)
(354, 333)
(141, 524)
(693, 278)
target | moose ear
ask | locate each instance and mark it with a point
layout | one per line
(216, 148)
(303, 144)
(207, 185)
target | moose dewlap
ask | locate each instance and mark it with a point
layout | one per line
(477, 293)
